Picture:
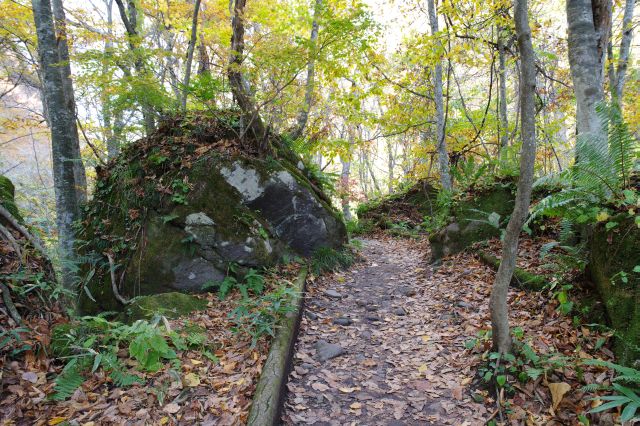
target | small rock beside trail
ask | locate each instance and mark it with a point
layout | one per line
(326, 351)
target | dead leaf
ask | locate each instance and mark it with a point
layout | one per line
(191, 380)
(171, 408)
(320, 387)
(558, 390)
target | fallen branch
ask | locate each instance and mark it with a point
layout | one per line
(521, 278)
(8, 302)
(114, 285)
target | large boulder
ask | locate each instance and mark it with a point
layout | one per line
(181, 224)
(613, 255)
(474, 219)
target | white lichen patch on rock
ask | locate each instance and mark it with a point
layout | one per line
(199, 219)
(245, 181)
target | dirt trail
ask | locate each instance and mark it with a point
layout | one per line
(402, 360)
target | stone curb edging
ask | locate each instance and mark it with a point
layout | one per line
(270, 391)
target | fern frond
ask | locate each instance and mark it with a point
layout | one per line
(68, 381)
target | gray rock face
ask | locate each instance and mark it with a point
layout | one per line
(326, 351)
(297, 216)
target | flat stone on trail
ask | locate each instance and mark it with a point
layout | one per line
(406, 291)
(327, 351)
(399, 311)
(372, 318)
(343, 321)
(332, 293)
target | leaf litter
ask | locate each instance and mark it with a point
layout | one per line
(415, 369)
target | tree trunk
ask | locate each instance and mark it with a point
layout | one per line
(63, 129)
(502, 92)
(190, 49)
(129, 18)
(344, 180)
(498, 301)
(585, 61)
(625, 49)
(203, 57)
(391, 163)
(443, 155)
(69, 98)
(303, 116)
(251, 116)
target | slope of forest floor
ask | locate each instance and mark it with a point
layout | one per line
(401, 333)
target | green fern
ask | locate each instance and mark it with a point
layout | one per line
(602, 171)
(68, 381)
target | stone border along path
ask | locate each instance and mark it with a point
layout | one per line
(378, 345)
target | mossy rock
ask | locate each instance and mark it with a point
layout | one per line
(7, 197)
(176, 228)
(171, 305)
(469, 223)
(612, 252)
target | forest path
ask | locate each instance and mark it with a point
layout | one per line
(382, 344)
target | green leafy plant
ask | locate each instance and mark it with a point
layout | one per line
(600, 177)
(91, 343)
(259, 316)
(626, 396)
(251, 281)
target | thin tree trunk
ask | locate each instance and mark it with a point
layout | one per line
(391, 163)
(625, 49)
(443, 155)
(303, 116)
(586, 66)
(251, 115)
(190, 49)
(344, 180)
(129, 18)
(67, 85)
(203, 57)
(502, 92)
(63, 129)
(498, 301)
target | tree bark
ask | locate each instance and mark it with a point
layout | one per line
(391, 163)
(502, 91)
(69, 98)
(345, 181)
(443, 155)
(190, 49)
(303, 116)
(63, 129)
(203, 57)
(251, 116)
(129, 17)
(498, 301)
(625, 49)
(586, 62)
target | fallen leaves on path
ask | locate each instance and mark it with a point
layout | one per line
(412, 367)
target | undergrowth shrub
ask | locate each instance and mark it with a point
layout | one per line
(625, 389)
(326, 259)
(259, 316)
(92, 343)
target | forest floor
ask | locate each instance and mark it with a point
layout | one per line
(384, 344)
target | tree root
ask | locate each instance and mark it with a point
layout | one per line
(8, 302)
(521, 278)
(4, 213)
(114, 284)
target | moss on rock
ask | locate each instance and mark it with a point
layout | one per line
(171, 305)
(469, 222)
(7, 197)
(612, 253)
